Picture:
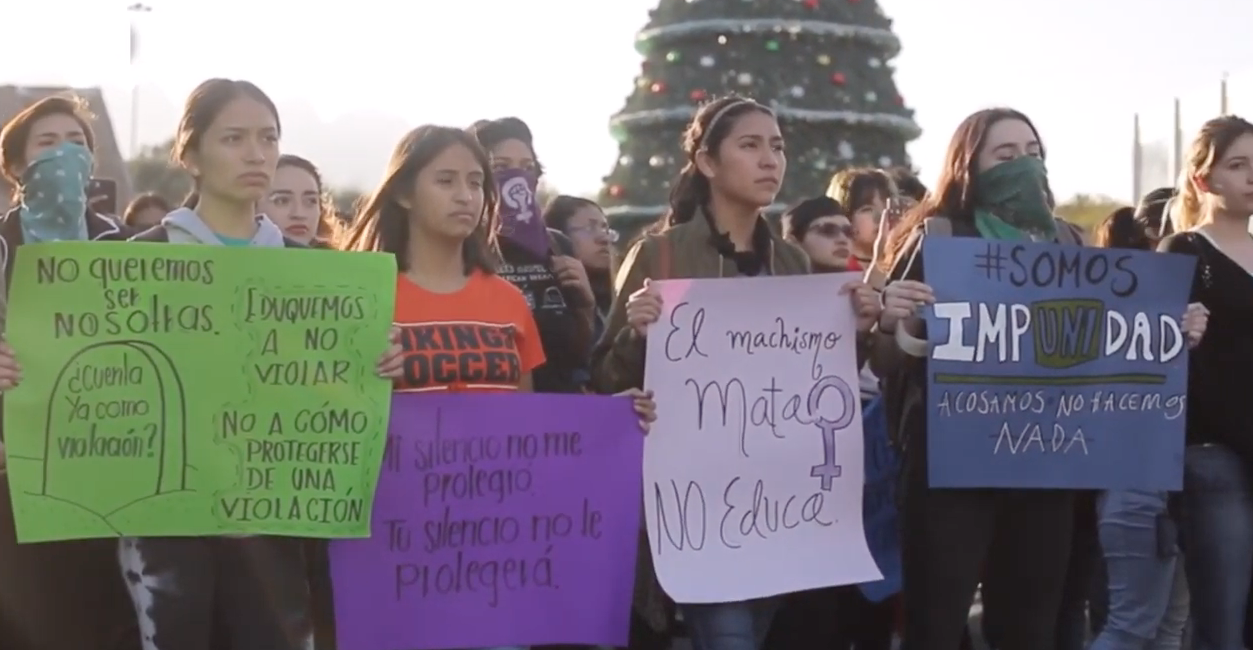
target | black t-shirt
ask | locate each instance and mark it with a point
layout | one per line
(1220, 368)
(555, 314)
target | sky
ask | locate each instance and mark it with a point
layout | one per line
(1080, 68)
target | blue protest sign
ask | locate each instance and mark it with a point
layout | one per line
(1055, 366)
(883, 534)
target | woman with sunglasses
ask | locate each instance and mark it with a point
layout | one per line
(820, 227)
(584, 222)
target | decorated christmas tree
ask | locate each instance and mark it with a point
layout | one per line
(823, 65)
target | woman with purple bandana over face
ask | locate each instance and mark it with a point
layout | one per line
(540, 261)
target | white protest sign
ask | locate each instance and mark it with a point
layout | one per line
(753, 472)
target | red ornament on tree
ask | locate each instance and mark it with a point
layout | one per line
(658, 87)
(812, 4)
(900, 101)
(698, 95)
(615, 191)
(838, 79)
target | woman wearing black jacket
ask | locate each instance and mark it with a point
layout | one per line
(555, 283)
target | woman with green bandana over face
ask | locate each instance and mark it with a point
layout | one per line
(994, 186)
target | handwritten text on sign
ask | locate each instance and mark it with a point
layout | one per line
(497, 516)
(190, 390)
(753, 473)
(1056, 366)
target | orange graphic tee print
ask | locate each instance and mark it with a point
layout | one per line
(481, 338)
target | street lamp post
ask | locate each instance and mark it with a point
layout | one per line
(135, 11)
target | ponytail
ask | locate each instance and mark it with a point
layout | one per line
(709, 127)
(688, 193)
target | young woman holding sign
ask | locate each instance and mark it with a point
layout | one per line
(254, 589)
(46, 154)
(714, 228)
(436, 211)
(994, 185)
(194, 593)
(1211, 221)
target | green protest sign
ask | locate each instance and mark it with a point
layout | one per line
(196, 390)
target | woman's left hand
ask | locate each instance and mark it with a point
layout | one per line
(392, 363)
(1194, 321)
(645, 406)
(866, 304)
(571, 274)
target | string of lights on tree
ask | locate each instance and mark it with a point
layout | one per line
(823, 65)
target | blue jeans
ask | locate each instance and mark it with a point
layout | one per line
(1147, 592)
(1218, 544)
(730, 626)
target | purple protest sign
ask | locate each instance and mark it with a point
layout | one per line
(500, 519)
(520, 218)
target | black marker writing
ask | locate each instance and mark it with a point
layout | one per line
(693, 333)
(295, 309)
(1073, 269)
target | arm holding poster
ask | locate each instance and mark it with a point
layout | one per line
(900, 329)
(618, 360)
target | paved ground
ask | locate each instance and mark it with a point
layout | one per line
(976, 617)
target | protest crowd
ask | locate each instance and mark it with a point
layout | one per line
(488, 300)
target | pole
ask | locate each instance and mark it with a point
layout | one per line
(135, 11)
(1224, 108)
(1137, 162)
(1178, 157)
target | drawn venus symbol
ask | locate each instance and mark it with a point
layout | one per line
(116, 429)
(828, 471)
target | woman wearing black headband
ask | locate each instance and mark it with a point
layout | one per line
(714, 228)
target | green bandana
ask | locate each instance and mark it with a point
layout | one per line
(1011, 201)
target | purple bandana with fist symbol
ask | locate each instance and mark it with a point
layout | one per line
(520, 218)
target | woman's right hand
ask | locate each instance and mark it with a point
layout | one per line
(643, 308)
(901, 300)
(10, 371)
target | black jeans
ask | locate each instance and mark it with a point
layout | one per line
(834, 618)
(1018, 541)
(204, 593)
(1085, 552)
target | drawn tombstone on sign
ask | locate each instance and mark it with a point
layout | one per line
(117, 409)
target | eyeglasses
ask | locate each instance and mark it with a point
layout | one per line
(830, 230)
(594, 231)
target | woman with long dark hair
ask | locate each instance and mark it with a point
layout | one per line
(554, 282)
(714, 228)
(993, 185)
(584, 222)
(435, 211)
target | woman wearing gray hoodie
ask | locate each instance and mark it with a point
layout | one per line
(198, 593)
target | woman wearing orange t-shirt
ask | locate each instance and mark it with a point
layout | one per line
(462, 326)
